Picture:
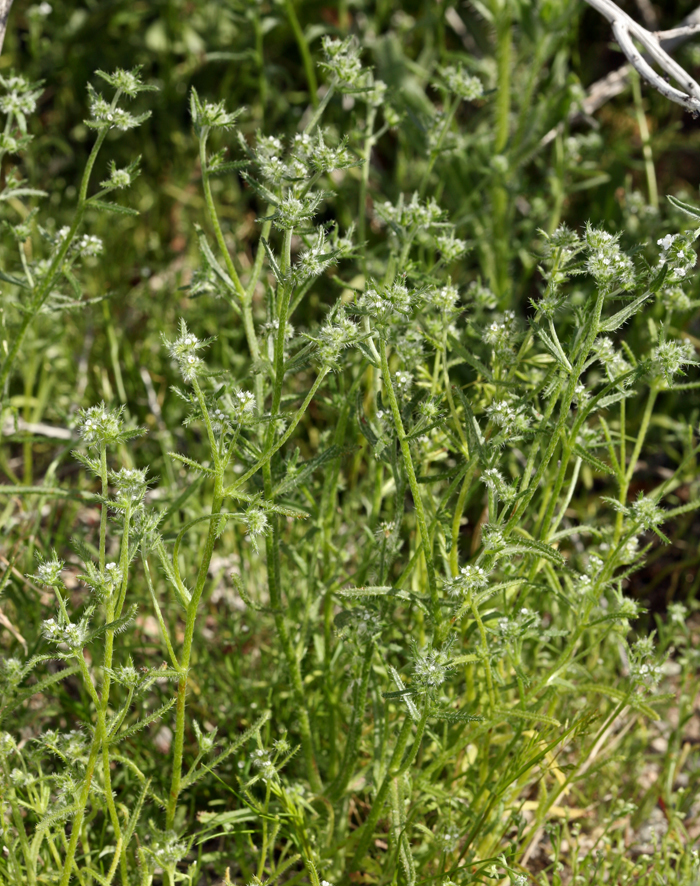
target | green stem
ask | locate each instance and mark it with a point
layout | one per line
(190, 620)
(397, 766)
(415, 492)
(304, 51)
(44, 289)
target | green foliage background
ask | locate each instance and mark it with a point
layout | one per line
(247, 54)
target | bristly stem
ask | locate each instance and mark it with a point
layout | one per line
(426, 538)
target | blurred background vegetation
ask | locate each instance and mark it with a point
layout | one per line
(248, 53)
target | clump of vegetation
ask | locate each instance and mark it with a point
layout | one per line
(356, 605)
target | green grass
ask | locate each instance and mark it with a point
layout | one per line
(408, 591)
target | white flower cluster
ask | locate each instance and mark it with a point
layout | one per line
(257, 524)
(128, 82)
(262, 761)
(512, 420)
(495, 481)
(315, 259)
(89, 245)
(444, 298)
(291, 211)
(678, 254)
(383, 301)
(513, 628)
(500, 335)
(430, 667)
(451, 248)
(607, 263)
(674, 299)
(130, 486)
(447, 838)
(343, 61)
(118, 178)
(414, 214)
(613, 361)
(669, 357)
(647, 513)
(471, 578)
(481, 295)
(61, 632)
(127, 675)
(103, 585)
(403, 382)
(336, 334)
(16, 102)
(462, 84)
(49, 572)
(105, 116)
(184, 351)
(324, 158)
(642, 668)
(100, 426)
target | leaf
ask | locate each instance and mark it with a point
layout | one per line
(465, 659)
(402, 692)
(473, 361)
(146, 721)
(15, 281)
(374, 591)
(526, 715)
(455, 716)
(692, 211)
(474, 435)
(614, 398)
(233, 746)
(530, 546)
(22, 192)
(592, 460)
(57, 815)
(618, 695)
(117, 626)
(40, 686)
(614, 322)
(658, 280)
(233, 166)
(213, 263)
(134, 817)
(105, 206)
(191, 463)
(279, 276)
(553, 350)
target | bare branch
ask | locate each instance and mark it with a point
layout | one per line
(616, 81)
(5, 6)
(625, 28)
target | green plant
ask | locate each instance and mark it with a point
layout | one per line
(436, 582)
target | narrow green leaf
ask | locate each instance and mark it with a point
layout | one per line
(191, 463)
(279, 276)
(39, 686)
(614, 322)
(692, 211)
(529, 716)
(146, 721)
(105, 206)
(592, 460)
(15, 281)
(233, 746)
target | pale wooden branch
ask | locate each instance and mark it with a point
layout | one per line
(616, 81)
(625, 29)
(5, 6)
